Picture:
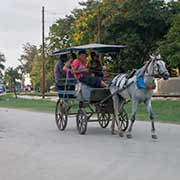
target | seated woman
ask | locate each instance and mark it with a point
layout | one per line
(67, 67)
(95, 66)
(82, 73)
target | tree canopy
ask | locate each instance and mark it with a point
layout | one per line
(146, 26)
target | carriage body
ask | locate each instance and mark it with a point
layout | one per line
(91, 105)
(95, 96)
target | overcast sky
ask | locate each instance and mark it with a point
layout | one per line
(20, 22)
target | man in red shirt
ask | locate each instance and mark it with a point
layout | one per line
(81, 72)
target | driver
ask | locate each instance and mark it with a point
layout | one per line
(82, 74)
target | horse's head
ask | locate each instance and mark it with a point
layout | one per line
(159, 67)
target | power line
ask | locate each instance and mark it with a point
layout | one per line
(53, 13)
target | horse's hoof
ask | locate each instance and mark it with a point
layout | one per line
(121, 134)
(154, 136)
(129, 136)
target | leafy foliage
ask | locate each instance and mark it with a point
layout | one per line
(145, 26)
(11, 77)
(138, 24)
(26, 59)
(170, 47)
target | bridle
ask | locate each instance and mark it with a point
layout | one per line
(155, 74)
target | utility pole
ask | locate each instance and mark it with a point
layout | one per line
(43, 57)
(99, 24)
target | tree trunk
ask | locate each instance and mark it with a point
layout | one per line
(14, 89)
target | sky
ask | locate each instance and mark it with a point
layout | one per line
(20, 22)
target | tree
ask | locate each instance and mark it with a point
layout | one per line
(26, 59)
(139, 25)
(170, 47)
(78, 28)
(36, 72)
(20, 70)
(85, 29)
(11, 77)
(30, 52)
(60, 33)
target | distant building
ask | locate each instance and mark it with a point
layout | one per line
(27, 80)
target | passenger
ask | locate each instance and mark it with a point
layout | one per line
(82, 73)
(58, 71)
(67, 67)
(95, 66)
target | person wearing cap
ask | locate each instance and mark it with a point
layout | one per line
(81, 72)
(58, 69)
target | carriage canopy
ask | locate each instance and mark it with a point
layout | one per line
(101, 48)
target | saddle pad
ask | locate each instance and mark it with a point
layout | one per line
(140, 80)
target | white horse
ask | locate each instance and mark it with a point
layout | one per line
(155, 67)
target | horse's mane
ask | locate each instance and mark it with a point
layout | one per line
(145, 66)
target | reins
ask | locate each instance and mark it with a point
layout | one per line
(146, 67)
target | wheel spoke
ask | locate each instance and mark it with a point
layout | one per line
(123, 120)
(61, 116)
(81, 121)
(122, 124)
(103, 119)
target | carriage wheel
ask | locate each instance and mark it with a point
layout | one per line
(81, 120)
(61, 115)
(123, 120)
(103, 119)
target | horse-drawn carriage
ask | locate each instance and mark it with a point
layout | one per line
(108, 103)
(91, 104)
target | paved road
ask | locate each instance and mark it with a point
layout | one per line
(31, 148)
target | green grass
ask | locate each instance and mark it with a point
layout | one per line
(37, 93)
(43, 105)
(165, 110)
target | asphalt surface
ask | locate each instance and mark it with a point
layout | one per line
(31, 148)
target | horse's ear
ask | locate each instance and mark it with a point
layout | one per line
(159, 56)
(152, 57)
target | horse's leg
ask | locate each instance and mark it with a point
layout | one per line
(113, 125)
(114, 117)
(116, 112)
(133, 117)
(151, 115)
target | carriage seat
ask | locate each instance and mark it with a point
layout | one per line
(66, 88)
(93, 95)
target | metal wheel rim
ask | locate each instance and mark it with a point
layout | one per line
(61, 115)
(123, 119)
(82, 121)
(103, 119)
